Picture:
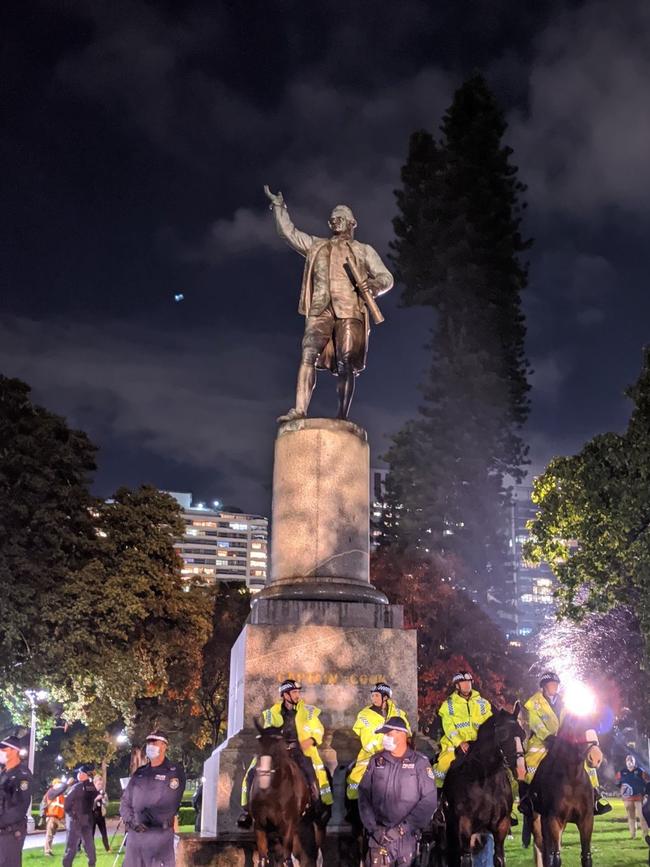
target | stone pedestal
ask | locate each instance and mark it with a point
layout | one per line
(321, 515)
(319, 620)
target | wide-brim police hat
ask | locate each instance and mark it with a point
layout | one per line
(12, 743)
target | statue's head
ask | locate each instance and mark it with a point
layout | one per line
(342, 221)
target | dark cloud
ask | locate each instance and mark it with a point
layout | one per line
(139, 140)
(583, 138)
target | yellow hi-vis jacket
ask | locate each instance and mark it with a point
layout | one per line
(544, 720)
(308, 725)
(461, 720)
(368, 721)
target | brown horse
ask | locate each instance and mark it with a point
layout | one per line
(280, 803)
(476, 799)
(561, 792)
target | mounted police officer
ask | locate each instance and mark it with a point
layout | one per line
(149, 806)
(545, 715)
(381, 708)
(462, 713)
(15, 797)
(397, 798)
(79, 807)
(303, 731)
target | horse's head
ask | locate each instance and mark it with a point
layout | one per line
(509, 736)
(271, 750)
(576, 740)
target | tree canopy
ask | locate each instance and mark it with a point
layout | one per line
(457, 250)
(593, 523)
(95, 610)
(454, 634)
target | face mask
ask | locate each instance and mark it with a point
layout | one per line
(3, 757)
(152, 751)
(389, 742)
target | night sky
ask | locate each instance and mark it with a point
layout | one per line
(135, 141)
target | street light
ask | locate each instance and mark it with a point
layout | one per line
(122, 738)
(34, 696)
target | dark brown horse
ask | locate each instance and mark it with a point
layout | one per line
(280, 803)
(476, 799)
(561, 793)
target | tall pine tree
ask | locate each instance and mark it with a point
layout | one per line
(458, 251)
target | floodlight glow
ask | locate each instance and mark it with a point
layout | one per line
(579, 699)
(122, 738)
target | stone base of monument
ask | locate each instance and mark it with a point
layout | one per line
(337, 665)
(320, 621)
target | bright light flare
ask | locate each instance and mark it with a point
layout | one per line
(579, 699)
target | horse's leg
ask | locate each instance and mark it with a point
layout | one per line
(586, 827)
(465, 841)
(552, 829)
(500, 833)
(538, 855)
(262, 848)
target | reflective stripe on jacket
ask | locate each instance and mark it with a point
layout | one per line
(462, 717)
(54, 807)
(308, 725)
(368, 721)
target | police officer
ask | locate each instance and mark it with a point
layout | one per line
(15, 797)
(149, 806)
(545, 715)
(79, 808)
(397, 798)
(461, 713)
(303, 731)
(381, 708)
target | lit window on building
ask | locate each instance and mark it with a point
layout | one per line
(236, 526)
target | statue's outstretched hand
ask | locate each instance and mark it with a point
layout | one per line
(272, 197)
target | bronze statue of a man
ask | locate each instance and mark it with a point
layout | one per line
(337, 321)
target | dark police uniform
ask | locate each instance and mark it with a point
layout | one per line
(148, 806)
(15, 798)
(79, 807)
(397, 799)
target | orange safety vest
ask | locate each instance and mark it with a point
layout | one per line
(54, 809)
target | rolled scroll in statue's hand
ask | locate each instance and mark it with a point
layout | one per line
(368, 299)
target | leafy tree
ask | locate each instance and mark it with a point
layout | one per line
(94, 606)
(47, 532)
(231, 608)
(593, 523)
(453, 633)
(457, 251)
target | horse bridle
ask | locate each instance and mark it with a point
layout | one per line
(519, 752)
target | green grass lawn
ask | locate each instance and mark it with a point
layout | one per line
(611, 845)
(36, 858)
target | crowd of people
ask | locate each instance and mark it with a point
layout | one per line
(391, 788)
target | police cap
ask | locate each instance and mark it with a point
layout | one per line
(382, 688)
(462, 676)
(85, 769)
(288, 685)
(392, 724)
(158, 735)
(11, 743)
